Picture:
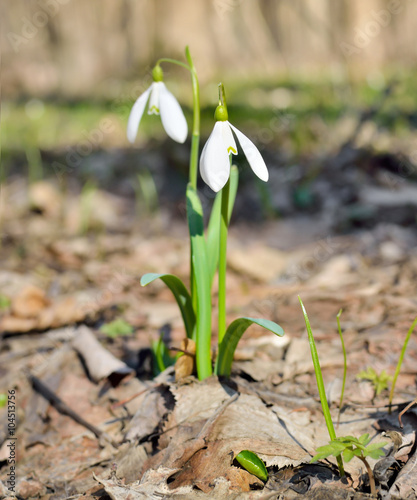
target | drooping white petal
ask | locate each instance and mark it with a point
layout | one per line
(229, 140)
(252, 154)
(153, 108)
(136, 115)
(172, 117)
(214, 160)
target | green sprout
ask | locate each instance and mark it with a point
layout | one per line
(320, 386)
(117, 328)
(146, 192)
(400, 361)
(342, 392)
(34, 159)
(349, 447)
(161, 356)
(379, 381)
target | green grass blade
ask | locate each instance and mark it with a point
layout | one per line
(157, 350)
(320, 384)
(400, 362)
(232, 336)
(213, 229)
(202, 283)
(342, 392)
(181, 295)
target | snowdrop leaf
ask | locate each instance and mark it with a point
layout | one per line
(231, 338)
(181, 295)
(202, 282)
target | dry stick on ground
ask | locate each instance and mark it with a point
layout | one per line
(406, 409)
(63, 408)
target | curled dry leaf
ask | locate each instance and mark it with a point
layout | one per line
(100, 362)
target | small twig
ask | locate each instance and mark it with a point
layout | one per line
(406, 409)
(184, 351)
(128, 400)
(63, 408)
(377, 407)
(370, 475)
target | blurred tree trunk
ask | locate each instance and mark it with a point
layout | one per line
(75, 47)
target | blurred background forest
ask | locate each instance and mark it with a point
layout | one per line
(303, 78)
(326, 89)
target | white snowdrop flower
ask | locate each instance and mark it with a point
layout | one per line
(215, 162)
(162, 102)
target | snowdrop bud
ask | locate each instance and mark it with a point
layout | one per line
(221, 114)
(157, 74)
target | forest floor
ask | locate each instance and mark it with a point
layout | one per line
(89, 417)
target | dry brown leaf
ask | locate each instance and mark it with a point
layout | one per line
(185, 364)
(15, 324)
(29, 302)
(259, 262)
(99, 361)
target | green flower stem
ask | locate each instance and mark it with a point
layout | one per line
(195, 141)
(195, 138)
(172, 61)
(224, 223)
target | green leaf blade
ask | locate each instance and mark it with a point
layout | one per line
(232, 336)
(202, 283)
(181, 295)
(320, 384)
